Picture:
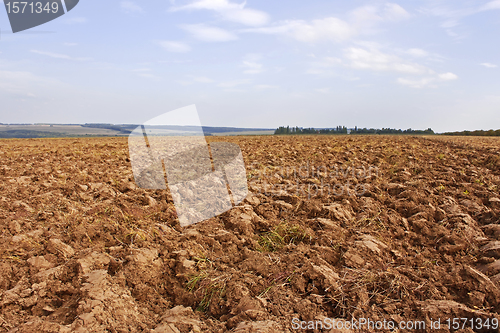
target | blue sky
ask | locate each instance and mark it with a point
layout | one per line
(418, 64)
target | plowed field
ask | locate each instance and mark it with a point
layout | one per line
(379, 227)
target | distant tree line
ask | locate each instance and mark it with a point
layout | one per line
(27, 134)
(344, 130)
(408, 131)
(299, 130)
(475, 133)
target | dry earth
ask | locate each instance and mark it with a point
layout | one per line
(413, 235)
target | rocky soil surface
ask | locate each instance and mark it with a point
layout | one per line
(382, 227)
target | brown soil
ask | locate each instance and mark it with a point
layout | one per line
(83, 249)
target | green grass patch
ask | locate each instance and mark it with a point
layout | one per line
(282, 235)
(207, 288)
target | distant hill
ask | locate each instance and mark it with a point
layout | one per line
(27, 134)
(21, 131)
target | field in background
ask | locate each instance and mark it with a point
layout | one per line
(411, 236)
(54, 130)
(264, 132)
(103, 130)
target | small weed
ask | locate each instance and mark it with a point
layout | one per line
(202, 260)
(195, 279)
(431, 262)
(264, 292)
(284, 277)
(271, 241)
(207, 287)
(382, 287)
(15, 258)
(136, 235)
(367, 221)
(440, 156)
(282, 235)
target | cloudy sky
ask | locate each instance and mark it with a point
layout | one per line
(259, 63)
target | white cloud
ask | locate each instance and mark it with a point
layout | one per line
(422, 54)
(488, 65)
(420, 83)
(130, 7)
(202, 79)
(282, 27)
(217, 5)
(52, 55)
(322, 67)
(361, 20)
(333, 60)
(58, 55)
(453, 15)
(449, 23)
(19, 76)
(191, 79)
(491, 5)
(365, 16)
(377, 61)
(233, 84)
(368, 16)
(145, 73)
(21, 83)
(427, 81)
(330, 28)
(266, 86)
(248, 17)
(315, 71)
(394, 12)
(371, 58)
(172, 46)
(208, 33)
(229, 11)
(326, 29)
(148, 76)
(252, 65)
(418, 53)
(448, 76)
